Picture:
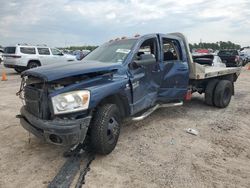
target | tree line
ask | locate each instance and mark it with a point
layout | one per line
(215, 46)
(204, 45)
(73, 48)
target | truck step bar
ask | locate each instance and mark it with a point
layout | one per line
(151, 110)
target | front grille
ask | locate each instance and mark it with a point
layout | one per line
(34, 92)
(33, 101)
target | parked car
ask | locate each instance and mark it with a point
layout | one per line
(1, 55)
(22, 57)
(80, 54)
(203, 51)
(85, 102)
(209, 60)
(230, 57)
(245, 56)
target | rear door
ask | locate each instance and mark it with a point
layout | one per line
(175, 76)
(44, 55)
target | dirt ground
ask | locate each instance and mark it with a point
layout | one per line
(155, 152)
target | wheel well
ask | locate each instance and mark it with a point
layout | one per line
(36, 61)
(121, 102)
(230, 77)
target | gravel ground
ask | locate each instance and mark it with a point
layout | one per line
(155, 152)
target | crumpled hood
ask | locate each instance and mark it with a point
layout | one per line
(63, 70)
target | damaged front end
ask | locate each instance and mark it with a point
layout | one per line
(38, 113)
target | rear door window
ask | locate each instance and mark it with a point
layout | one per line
(235, 53)
(222, 53)
(26, 50)
(171, 50)
(228, 53)
(10, 50)
(43, 51)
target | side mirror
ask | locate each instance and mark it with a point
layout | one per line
(145, 59)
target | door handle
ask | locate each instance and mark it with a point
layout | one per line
(182, 69)
(154, 71)
(156, 68)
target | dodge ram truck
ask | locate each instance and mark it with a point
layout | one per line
(123, 78)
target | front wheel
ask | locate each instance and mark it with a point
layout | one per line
(105, 129)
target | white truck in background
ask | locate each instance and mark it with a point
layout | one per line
(22, 57)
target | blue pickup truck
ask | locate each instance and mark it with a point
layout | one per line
(123, 78)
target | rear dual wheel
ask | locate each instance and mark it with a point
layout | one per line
(218, 93)
(223, 93)
(209, 92)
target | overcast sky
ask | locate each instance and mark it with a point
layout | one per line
(82, 22)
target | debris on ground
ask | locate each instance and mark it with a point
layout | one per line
(192, 131)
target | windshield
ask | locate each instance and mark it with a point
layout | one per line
(113, 52)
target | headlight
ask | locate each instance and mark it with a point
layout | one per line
(71, 102)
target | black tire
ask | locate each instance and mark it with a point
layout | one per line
(19, 70)
(209, 92)
(223, 93)
(33, 64)
(105, 129)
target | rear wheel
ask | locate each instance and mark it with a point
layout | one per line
(105, 129)
(33, 64)
(209, 92)
(223, 93)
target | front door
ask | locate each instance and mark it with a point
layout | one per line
(146, 77)
(175, 76)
